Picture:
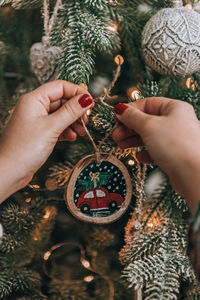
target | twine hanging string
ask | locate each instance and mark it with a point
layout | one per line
(106, 96)
(50, 21)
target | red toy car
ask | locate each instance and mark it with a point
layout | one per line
(98, 198)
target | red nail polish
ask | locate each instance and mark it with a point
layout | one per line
(120, 108)
(85, 101)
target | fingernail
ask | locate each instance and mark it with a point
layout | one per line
(120, 108)
(85, 101)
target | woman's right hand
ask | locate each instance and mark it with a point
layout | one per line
(170, 131)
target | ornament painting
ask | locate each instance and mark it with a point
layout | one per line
(99, 192)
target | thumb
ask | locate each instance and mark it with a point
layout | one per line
(131, 117)
(70, 112)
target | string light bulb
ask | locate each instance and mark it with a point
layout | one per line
(131, 162)
(47, 255)
(88, 278)
(34, 186)
(47, 214)
(28, 200)
(84, 86)
(189, 6)
(89, 111)
(134, 93)
(112, 27)
(119, 60)
(150, 225)
(85, 263)
(112, 2)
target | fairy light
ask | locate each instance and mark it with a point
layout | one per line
(88, 278)
(28, 200)
(84, 86)
(89, 111)
(134, 93)
(131, 162)
(47, 255)
(154, 221)
(189, 6)
(150, 225)
(85, 263)
(112, 27)
(119, 60)
(34, 186)
(47, 214)
(35, 238)
(111, 2)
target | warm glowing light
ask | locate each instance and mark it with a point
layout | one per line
(190, 84)
(84, 86)
(134, 93)
(47, 214)
(150, 225)
(112, 2)
(85, 263)
(119, 60)
(34, 186)
(47, 255)
(189, 6)
(112, 27)
(35, 238)
(28, 200)
(89, 111)
(131, 162)
(88, 278)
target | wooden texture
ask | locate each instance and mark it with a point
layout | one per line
(69, 193)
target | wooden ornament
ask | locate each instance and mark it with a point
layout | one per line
(99, 193)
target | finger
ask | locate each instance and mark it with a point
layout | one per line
(56, 90)
(121, 133)
(68, 135)
(136, 115)
(78, 128)
(55, 105)
(70, 112)
(131, 117)
(85, 119)
(144, 157)
(134, 141)
(154, 106)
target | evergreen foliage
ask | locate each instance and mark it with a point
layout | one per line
(154, 258)
(30, 4)
(81, 31)
(4, 2)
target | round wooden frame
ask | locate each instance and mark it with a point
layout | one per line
(69, 192)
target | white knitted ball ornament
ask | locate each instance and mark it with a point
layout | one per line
(171, 42)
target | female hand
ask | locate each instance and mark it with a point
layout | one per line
(40, 118)
(170, 131)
